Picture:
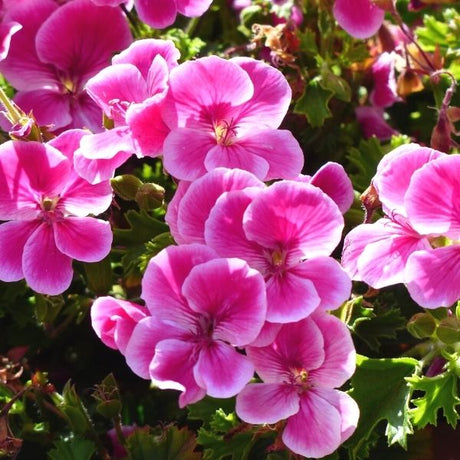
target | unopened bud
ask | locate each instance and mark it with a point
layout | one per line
(421, 325)
(449, 330)
(370, 201)
(150, 196)
(126, 186)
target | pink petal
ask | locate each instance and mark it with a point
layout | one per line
(305, 432)
(278, 148)
(340, 360)
(236, 156)
(206, 190)
(331, 283)
(148, 130)
(267, 334)
(68, 142)
(296, 216)
(299, 345)
(28, 172)
(221, 370)
(81, 55)
(85, 113)
(260, 403)
(142, 53)
(7, 30)
(378, 253)
(395, 171)
(384, 93)
(22, 67)
(431, 200)
(184, 152)
(372, 121)
(71, 236)
(433, 277)
(172, 211)
(173, 367)
(121, 84)
(290, 297)
(46, 269)
(113, 320)
(13, 237)
(164, 277)
(347, 408)
(360, 18)
(230, 293)
(192, 8)
(199, 99)
(334, 182)
(224, 228)
(272, 95)
(158, 14)
(49, 107)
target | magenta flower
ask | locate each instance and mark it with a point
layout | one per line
(50, 59)
(161, 14)
(113, 320)
(433, 275)
(384, 92)
(286, 231)
(299, 371)
(46, 203)
(378, 253)
(360, 18)
(131, 93)
(372, 121)
(226, 113)
(202, 307)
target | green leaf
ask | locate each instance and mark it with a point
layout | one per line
(314, 104)
(177, 445)
(141, 445)
(365, 160)
(76, 448)
(206, 409)
(188, 47)
(382, 393)
(218, 446)
(337, 85)
(440, 394)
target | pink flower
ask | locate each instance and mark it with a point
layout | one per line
(360, 18)
(433, 275)
(372, 121)
(113, 320)
(161, 14)
(46, 203)
(131, 93)
(300, 370)
(202, 307)
(50, 59)
(285, 231)
(226, 113)
(379, 253)
(383, 72)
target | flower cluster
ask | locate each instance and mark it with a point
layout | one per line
(416, 242)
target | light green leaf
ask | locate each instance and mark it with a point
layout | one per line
(76, 448)
(314, 104)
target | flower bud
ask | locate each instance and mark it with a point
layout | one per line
(421, 325)
(126, 186)
(150, 196)
(449, 330)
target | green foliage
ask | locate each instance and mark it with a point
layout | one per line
(74, 448)
(364, 161)
(189, 47)
(382, 393)
(440, 393)
(314, 103)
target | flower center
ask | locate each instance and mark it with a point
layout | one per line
(225, 132)
(299, 378)
(118, 108)
(442, 241)
(48, 206)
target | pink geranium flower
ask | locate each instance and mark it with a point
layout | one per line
(202, 307)
(113, 320)
(300, 370)
(360, 18)
(372, 121)
(226, 113)
(50, 59)
(46, 205)
(384, 92)
(131, 93)
(286, 231)
(433, 275)
(378, 253)
(161, 14)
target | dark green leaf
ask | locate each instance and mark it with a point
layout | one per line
(314, 104)
(76, 448)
